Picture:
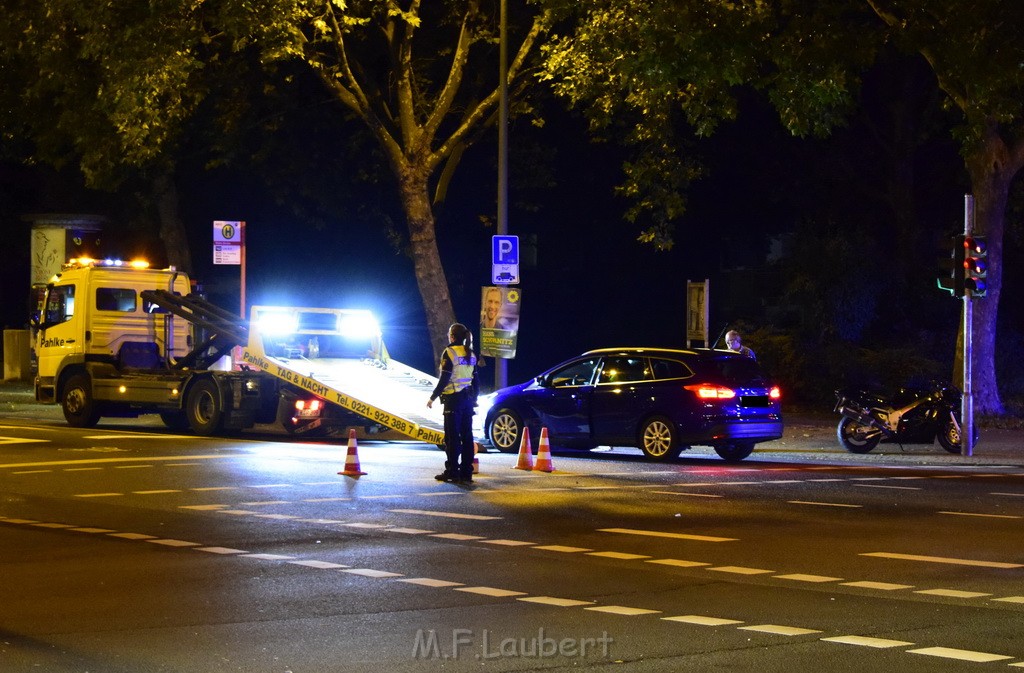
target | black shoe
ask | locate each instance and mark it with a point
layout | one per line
(444, 476)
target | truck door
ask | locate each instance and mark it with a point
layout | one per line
(60, 328)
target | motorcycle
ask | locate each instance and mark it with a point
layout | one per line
(911, 416)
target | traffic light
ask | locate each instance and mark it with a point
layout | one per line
(975, 266)
(953, 266)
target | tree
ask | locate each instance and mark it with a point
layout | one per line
(420, 78)
(975, 51)
(639, 58)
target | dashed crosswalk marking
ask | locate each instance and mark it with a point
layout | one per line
(779, 630)
(657, 533)
(449, 515)
(868, 641)
(962, 655)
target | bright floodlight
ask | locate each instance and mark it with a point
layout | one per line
(359, 325)
(278, 322)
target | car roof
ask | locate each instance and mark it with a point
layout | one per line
(696, 352)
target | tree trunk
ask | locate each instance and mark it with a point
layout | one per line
(172, 230)
(991, 169)
(426, 259)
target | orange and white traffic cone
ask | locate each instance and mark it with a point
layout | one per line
(525, 452)
(476, 461)
(544, 463)
(352, 457)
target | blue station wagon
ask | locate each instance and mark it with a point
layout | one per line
(662, 401)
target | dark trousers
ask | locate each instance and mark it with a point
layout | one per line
(458, 434)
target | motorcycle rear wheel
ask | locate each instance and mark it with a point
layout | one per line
(856, 437)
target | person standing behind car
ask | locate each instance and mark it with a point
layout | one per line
(457, 387)
(735, 344)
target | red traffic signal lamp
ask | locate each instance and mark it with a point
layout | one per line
(975, 265)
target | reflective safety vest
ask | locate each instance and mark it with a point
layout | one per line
(463, 364)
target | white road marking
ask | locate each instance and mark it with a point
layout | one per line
(80, 469)
(894, 488)
(132, 467)
(410, 531)
(677, 563)
(429, 582)
(158, 491)
(779, 630)
(940, 559)
(325, 565)
(19, 440)
(92, 530)
(740, 570)
(952, 593)
(201, 508)
(702, 620)
(822, 504)
(689, 495)
(622, 610)
(798, 577)
(269, 557)
(53, 525)
(617, 555)
(369, 572)
(988, 516)
(562, 548)
(867, 641)
(98, 495)
(450, 515)
(123, 459)
(1010, 599)
(491, 591)
(509, 543)
(458, 536)
(881, 586)
(174, 543)
(962, 655)
(220, 550)
(557, 602)
(676, 536)
(1012, 495)
(133, 536)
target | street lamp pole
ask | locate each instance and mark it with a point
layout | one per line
(500, 364)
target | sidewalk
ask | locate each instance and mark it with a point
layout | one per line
(807, 436)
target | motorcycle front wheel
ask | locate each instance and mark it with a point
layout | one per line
(856, 437)
(950, 438)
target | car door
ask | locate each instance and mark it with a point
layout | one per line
(618, 401)
(562, 403)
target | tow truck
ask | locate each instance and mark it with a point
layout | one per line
(119, 339)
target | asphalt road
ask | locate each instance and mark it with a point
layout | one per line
(125, 548)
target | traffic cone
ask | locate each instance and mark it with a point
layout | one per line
(525, 452)
(476, 461)
(352, 457)
(544, 454)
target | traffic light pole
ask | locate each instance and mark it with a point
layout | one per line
(967, 403)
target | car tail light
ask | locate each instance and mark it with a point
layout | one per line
(708, 391)
(312, 405)
(775, 393)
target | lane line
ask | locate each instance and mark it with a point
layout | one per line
(962, 655)
(557, 602)
(622, 610)
(675, 536)
(941, 559)
(952, 593)
(125, 459)
(867, 641)
(449, 515)
(740, 570)
(987, 516)
(822, 504)
(779, 630)
(701, 620)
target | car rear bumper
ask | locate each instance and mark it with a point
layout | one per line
(754, 431)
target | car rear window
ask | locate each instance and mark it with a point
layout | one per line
(738, 370)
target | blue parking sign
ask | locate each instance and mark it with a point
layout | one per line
(505, 250)
(505, 260)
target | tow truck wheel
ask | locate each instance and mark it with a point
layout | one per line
(76, 400)
(174, 420)
(203, 408)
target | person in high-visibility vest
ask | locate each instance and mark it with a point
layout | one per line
(457, 387)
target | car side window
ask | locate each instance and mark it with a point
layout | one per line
(625, 370)
(579, 373)
(670, 369)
